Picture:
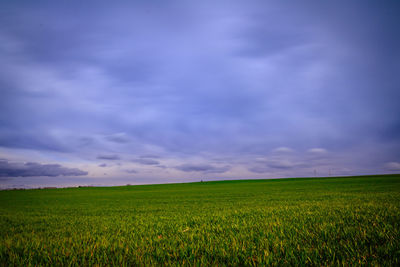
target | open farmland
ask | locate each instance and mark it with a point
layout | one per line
(316, 221)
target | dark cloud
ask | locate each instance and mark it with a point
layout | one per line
(146, 161)
(259, 169)
(281, 164)
(204, 168)
(118, 138)
(15, 169)
(108, 157)
(103, 165)
(162, 166)
(150, 156)
(131, 171)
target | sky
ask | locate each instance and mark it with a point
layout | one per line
(141, 92)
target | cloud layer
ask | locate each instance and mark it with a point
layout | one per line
(108, 157)
(28, 169)
(203, 168)
(239, 89)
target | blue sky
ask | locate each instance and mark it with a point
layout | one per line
(138, 92)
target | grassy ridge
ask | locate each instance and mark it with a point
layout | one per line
(326, 221)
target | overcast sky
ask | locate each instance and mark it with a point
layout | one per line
(114, 92)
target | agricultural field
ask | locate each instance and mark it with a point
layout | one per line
(299, 221)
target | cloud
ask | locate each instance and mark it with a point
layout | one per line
(203, 80)
(150, 156)
(393, 166)
(281, 164)
(131, 171)
(263, 165)
(34, 140)
(146, 161)
(103, 165)
(205, 168)
(259, 169)
(120, 138)
(17, 169)
(317, 151)
(283, 149)
(108, 157)
(161, 166)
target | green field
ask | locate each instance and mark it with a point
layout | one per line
(315, 221)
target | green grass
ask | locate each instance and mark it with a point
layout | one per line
(320, 221)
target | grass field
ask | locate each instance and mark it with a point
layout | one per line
(318, 221)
